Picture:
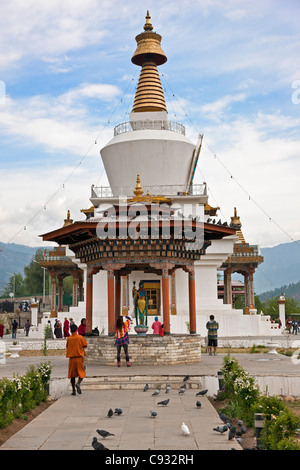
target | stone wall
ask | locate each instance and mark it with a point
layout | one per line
(146, 350)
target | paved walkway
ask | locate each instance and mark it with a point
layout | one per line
(71, 422)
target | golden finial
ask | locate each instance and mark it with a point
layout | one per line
(138, 189)
(68, 220)
(235, 219)
(148, 26)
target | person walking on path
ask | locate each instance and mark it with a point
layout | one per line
(27, 327)
(14, 329)
(295, 326)
(66, 328)
(156, 326)
(212, 336)
(122, 339)
(75, 351)
(58, 329)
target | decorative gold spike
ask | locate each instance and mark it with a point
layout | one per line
(148, 26)
(138, 189)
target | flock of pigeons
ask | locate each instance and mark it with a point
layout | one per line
(97, 445)
(233, 431)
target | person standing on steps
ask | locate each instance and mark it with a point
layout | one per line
(122, 339)
(75, 351)
(212, 336)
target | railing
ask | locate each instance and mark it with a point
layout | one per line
(149, 124)
(159, 190)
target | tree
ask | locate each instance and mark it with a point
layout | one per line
(14, 285)
(34, 275)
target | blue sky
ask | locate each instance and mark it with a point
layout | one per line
(68, 78)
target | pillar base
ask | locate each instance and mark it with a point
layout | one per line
(156, 350)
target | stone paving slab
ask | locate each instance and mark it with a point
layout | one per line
(71, 423)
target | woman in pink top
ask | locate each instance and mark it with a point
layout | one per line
(156, 326)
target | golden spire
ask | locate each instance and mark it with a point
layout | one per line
(148, 26)
(236, 221)
(138, 189)
(68, 220)
(149, 54)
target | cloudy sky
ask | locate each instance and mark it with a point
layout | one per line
(233, 74)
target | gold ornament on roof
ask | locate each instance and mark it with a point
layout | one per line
(139, 197)
(68, 220)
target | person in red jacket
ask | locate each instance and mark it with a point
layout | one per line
(82, 327)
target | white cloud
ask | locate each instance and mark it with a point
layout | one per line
(61, 123)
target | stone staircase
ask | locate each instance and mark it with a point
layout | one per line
(137, 382)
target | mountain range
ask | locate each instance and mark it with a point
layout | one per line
(281, 265)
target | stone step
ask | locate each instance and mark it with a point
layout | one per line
(138, 382)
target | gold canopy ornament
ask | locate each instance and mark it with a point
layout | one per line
(148, 43)
(149, 54)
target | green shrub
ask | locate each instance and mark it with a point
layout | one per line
(23, 393)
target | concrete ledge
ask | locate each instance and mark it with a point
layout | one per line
(146, 350)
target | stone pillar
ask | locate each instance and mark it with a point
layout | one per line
(165, 299)
(227, 287)
(111, 301)
(173, 294)
(34, 313)
(53, 294)
(75, 289)
(81, 287)
(117, 295)
(60, 294)
(125, 302)
(192, 301)
(89, 301)
(251, 289)
(246, 289)
(281, 301)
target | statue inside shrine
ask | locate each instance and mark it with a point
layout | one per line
(140, 301)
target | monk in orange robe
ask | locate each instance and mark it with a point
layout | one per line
(76, 345)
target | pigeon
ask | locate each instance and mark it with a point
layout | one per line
(110, 413)
(118, 411)
(239, 440)
(104, 433)
(221, 428)
(98, 445)
(202, 393)
(164, 402)
(240, 422)
(146, 388)
(153, 413)
(168, 388)
(185, 430)
(182, 390)
(157, 392)
(232, 432)
(243, 429)
(224, 418)
(186, 378)
(198, 404)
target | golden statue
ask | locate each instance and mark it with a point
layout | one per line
(140, 300)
